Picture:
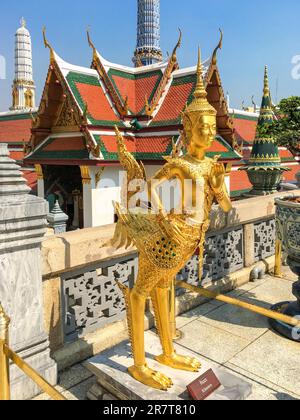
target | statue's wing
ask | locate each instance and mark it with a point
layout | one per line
(135, 170)
(131, 228)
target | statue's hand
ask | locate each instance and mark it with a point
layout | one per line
(217, 177)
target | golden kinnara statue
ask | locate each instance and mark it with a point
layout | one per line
(166, 242)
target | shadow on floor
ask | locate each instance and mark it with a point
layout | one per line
(235, 315)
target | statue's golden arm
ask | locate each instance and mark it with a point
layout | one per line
(218, 185)
(166, 174)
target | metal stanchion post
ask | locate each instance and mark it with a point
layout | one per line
(278, 259)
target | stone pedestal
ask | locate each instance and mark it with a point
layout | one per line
(22, 227)
(110, 368)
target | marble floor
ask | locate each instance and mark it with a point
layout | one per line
(231, 338)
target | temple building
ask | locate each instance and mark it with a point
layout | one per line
(73, 141)
(70, 139)
(15, 124)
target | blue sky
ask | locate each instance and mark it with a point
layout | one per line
(256, 33)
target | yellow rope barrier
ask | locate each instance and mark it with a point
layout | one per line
(231, 301)
(32, 374)
(7, 354)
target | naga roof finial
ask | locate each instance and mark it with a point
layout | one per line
(177, 46)
(218, 47)
(47, 45)
(91, 44)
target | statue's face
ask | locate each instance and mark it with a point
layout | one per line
(205, 131)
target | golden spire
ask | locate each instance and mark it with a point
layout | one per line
(23, 22)
(200, 91)
(200, 103)
(266, 83)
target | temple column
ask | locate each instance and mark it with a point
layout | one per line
(87, 196)
(40, 181)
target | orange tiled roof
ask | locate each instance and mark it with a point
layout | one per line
(98, 105)
(239, 181)
(180, 92)
(89, 92)
(245, 128)
(290, 176)
(150, 147)
(18, 156)
(135, 87)
(61, 148)
(31, 178)
(15, 128)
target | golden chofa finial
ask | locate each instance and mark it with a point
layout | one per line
(177, 46)
(218, 47)
(266, 83)
(47, 45)
(91, 44)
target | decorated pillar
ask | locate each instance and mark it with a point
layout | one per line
(148, 49)
(87, 196)
(40, 181)
(23, 89)
(264, 167)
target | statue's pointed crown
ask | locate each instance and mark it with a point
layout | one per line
(200, 103)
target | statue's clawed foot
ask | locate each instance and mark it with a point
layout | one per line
(151, 378)
(176, 361)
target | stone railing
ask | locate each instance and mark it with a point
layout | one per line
(80, 294)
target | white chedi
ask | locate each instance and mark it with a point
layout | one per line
(23, 93)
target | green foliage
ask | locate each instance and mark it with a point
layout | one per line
(286, 130)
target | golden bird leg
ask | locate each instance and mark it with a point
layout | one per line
(140, 371)
(160, 300)
(175, 334)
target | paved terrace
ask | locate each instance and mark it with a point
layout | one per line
(232, 338)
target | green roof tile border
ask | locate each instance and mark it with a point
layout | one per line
(244, 117)
(139, 156)
(72, 79)
(130, 76)
(231, 154)
(17, 117)
(67, 154)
